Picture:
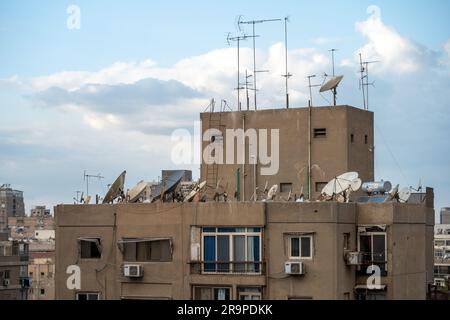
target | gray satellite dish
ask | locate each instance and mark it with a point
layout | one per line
(116, 189)
(404, 194)
(393, 193)
(135, 192)
(355, 185)
(331, 84)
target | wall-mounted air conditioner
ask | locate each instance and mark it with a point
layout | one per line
(353, 258)
(294, 268)
(133, 270)
(6, 282)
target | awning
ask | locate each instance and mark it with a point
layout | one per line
(374, 287)
(299, 233)
(92, 240)
(133, 240)
(370, 227)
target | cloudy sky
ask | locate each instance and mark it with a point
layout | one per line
(106, 97)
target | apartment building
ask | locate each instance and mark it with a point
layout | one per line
(41, 270)
(11, 204)
(442, 256)
(244, 248)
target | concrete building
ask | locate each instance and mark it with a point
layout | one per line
(442, 256)
(340, 140)
(40, 224)
(11, 204)
(14, 280)
(241, 249)
(41, 270)
(445, 216)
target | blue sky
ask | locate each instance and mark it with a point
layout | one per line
(50, 135)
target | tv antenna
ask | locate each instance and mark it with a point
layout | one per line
(310, 86)
(86, 178)
(287, 75)
(247, 83)
(332, 59)
(253, 23)
(364, 81)
(238, 40)
(77, 199)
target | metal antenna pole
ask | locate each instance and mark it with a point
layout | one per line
(253, 22)
(87, 176)
(332, 63)
(362, 81)
(365, 80)
(287, 74)
(310, 91)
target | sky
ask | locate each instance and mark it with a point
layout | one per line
(107, 96)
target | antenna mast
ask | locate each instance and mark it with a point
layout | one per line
(310, 87)
(86, 178)
(364, 82)
(287, 75)
(332, 63)
(253, 22)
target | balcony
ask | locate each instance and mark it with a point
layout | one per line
(228, 267)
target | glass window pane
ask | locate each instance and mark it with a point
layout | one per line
(239, 253)
(295, 247)
(208, 229)
(221, 294)
(306, 247)
(209, 253)
(253, 253)
(378, 248)
(223, 253)
(365, 246)
(226, 229)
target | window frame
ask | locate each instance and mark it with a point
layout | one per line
(87, 293)
(231, 235)
(240, 292)
(87, 239)
(299, 257)
(319, 133)
(212, 288)
(372, 234)
(126, 240)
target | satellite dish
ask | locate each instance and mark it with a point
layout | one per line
(355, 185)
(393, 193)
(87, 199)
(339, 184)
(116, 188)
(194, 192)
(168, 185)
(266, 186)
(404, 194)
(272, 192)
(331, 84)
(135, 192)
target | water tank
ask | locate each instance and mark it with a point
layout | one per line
(377, 187)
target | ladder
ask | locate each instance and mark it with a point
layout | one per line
(212, 170)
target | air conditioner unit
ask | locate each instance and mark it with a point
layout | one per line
(353, 258)
(133, 270)
(6, 282)
(294, 268)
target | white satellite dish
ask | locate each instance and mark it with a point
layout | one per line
(135, 192)
(116, 188)
(355, 185)
(87, 199)
(339, 184)
(193, 193)
(331, 84)
(393, 193)
(404, 194)
(272, 192)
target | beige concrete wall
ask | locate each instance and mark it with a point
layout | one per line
(330, 156)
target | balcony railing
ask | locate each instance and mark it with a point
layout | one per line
(227, 267)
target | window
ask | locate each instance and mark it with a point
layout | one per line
(300, 247)
(439, 243)
(372, 245)
(211, 293)
(231, 250)
(88, 296)
(147, 250)
(6, 274)
(249, 293)
(320, 186)
(42, 291)
(365, 139)
(438, 253)
(346, 241)
(320, 133)
(90, 248)
(352, 138)
(285, 187)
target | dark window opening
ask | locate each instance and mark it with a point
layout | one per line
(211, 293)
(90, 248)
(285, 187)
(88, 296)
(352, 138)
(42, 291)
(346, 241)
(320, 133)
(149, 250)
(320, 186)
(365, 139)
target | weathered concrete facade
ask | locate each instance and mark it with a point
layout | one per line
(409, 257)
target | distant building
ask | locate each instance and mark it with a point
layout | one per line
(41, 270)
(445, 216)
(442, 255)
(11, 204)
(40, 224)
(40, 211)
(14, 280)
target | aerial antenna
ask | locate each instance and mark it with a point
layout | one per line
(77, 199)
(253, 22)
(364, 81)
(332, 59)
(86, 178)
(287, 75)
(238, 40)
(247, 85)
